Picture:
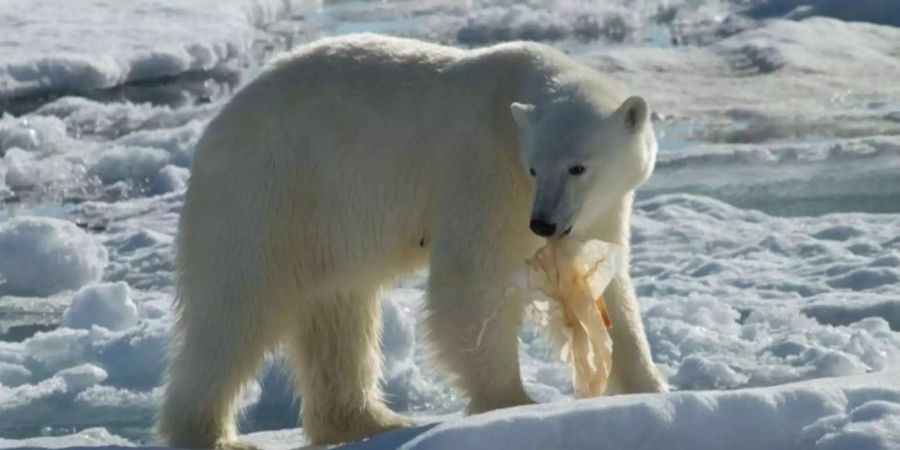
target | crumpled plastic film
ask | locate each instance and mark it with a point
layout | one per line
(568, 278)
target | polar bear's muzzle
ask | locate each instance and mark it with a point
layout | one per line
(542, 227)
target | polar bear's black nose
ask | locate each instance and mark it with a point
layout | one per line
(542, 228)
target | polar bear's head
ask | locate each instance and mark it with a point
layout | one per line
(582, 161)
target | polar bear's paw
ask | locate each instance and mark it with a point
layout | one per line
(356, 426)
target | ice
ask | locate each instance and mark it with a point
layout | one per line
(697, 372)
(65, 160)
(87, 377)
(770, 270)
(81, 377)
(13, 375)
(830, 414)
(861, 279)
(135, 163)
(43, 256)
(277, 440)
(153, 38)
(885, 12)
(871, 425)
(169, 178)
(550, 21)
(44, 134)
(105, 305)
(398, 341)
(845, 311)
(91, 437)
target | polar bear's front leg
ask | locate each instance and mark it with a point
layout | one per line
(474, 327)
(633, 370)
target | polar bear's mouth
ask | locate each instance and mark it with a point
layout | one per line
(568, 231)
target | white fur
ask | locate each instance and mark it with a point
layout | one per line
(353, 161)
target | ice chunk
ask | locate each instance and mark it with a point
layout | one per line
(13, 374)
(169, 179)
(43, 256)
(136, 164)
(56, 350)
(81, 377)
(90, 437)
(39, 134)
(108, 305)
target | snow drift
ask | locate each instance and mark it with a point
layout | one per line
(856, 413)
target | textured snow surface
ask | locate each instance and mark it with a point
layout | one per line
(93, 44)
(91, 437)
(849, 414)
(42, 256)
(766, 247)
(103, 305)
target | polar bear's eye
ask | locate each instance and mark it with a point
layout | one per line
(532, 172)
(576, 170)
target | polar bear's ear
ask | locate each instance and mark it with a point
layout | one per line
(634, 112)
(523, 114)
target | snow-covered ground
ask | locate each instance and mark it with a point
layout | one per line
(850, 413)
(766, 245)
(63, 46)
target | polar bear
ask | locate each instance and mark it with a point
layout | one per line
(355, 160)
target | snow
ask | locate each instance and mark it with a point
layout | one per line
(549, 22)
(90, 437)
(136, 163)
(68, 158)
(13, 374)
(81, 377)
(107, 305)
(854, 413)
(43, 256)
(772, 270)
(765, 248)
(153, 38)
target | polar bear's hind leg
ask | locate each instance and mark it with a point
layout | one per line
(213, 359)
(336, 358)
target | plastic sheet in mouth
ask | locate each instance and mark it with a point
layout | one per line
(566, 279)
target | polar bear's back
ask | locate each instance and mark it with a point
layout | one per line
(366, 52)
(337, 88)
